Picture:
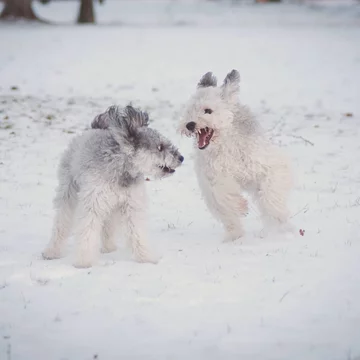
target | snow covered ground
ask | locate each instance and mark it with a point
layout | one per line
(259, 299)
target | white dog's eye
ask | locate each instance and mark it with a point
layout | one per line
(208, 111)
(160, 148)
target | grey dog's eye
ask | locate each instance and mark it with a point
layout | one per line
(208, 111)
(160, 147)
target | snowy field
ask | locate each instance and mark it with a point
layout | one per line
(278, 298)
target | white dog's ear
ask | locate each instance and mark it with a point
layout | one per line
(231, 86)
(207, 80)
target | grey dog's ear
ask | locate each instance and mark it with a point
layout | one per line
(125, 119)
(106, 119)
(231, 86)
(207, 80)
(101, 121)
(136, 117)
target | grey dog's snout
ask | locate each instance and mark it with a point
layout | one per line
(181, 158)
(190, 126)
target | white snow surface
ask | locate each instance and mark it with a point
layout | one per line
(277, 298)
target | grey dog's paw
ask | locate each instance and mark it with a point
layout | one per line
(51, 253)
(83, 264)
(108, 248)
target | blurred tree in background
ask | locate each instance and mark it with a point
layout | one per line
(19, 9)
(22, 9)
(266, 1)
(86, 13)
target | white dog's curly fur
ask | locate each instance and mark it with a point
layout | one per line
(101, 179)
(232, 156)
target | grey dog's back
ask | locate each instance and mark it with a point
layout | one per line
(96, 155)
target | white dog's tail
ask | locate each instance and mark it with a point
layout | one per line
(122, 118)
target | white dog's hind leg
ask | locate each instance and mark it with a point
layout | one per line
(64, 204)
(272, 199)
(227, 205)
(94, 208)
(135, 223)
(108, 233)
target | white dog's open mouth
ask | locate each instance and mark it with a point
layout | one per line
(204, 136)
(167, 170)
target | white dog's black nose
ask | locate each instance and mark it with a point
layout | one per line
(190, 126)
(181, 158)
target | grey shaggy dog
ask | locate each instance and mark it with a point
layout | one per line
(102, 181)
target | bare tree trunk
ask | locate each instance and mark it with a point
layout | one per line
(18, 9)
(86, 14)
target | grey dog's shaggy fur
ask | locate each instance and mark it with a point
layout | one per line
(101, 179)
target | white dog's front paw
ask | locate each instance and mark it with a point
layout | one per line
(146, 258)
(233, 235)
(51, 253)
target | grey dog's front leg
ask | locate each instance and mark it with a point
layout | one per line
(135, 224)
(109, 232)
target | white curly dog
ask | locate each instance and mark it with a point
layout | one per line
(233, 156)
